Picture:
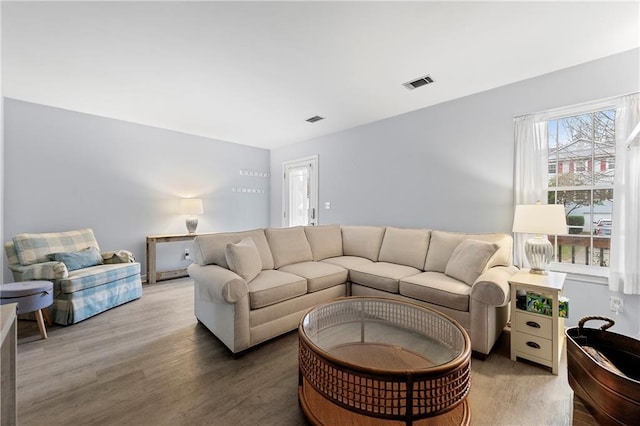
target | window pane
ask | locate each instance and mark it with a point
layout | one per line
(575, 144)
(604, 144)
(577, 207)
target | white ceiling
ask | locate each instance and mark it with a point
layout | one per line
(252, 72)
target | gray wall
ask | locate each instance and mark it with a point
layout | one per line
(66, 170)
(451, 166)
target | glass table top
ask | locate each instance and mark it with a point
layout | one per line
(383, 334)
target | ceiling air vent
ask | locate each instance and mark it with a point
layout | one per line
(314, 119)
(422, 81)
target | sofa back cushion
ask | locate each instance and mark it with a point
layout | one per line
(210, 249)
(325, 241)
(288, 245)
(34, 248)
(362, 241)
(405, 246)
(442, 245)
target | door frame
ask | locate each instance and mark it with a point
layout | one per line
(313, 203)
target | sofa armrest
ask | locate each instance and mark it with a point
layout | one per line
(218, 283)
(40, 271)
(118, 256)
(492, 287)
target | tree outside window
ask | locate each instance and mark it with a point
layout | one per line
(586, 191)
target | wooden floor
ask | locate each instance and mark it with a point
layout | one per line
(150, 363)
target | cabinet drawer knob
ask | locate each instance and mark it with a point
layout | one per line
(533, 324)
(533, 345)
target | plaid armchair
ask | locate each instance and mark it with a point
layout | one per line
(113, 278)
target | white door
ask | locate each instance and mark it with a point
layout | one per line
(300, 192)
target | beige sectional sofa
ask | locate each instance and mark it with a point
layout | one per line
(252, 286)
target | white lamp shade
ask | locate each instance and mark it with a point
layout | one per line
(191, 206)
(548, 219)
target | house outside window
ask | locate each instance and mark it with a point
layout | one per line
(585, 191)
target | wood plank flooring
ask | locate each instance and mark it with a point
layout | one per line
(150, 363)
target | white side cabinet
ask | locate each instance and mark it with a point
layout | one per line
(535, 336)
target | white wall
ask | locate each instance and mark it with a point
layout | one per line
(1, 153)
(450, 166)
(66, 170)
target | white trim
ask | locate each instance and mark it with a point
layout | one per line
(582, 273)
(584, 107)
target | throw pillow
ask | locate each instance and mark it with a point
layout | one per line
(243, 258)
(78, 260)
(469, 260)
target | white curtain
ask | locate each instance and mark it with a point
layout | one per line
(624, 268)
(531, 170)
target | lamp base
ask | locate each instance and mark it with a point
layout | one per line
(192, 224)
(539, 253)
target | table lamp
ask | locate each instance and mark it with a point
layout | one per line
(539, 219)
(191, 207)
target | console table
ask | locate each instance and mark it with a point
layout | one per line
(152, 240)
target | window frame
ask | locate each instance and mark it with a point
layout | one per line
(591, 273)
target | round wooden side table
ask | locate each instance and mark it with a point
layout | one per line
(31, 296)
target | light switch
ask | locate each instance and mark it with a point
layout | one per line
(327, 205)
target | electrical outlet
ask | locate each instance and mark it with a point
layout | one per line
(616, 304)
(187, 255)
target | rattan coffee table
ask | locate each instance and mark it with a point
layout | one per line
(365, 360)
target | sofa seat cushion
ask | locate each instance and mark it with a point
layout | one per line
(437, 288)
(319, 275)
(94, 276)
(381, 275)
(271, 287)
(348, 262)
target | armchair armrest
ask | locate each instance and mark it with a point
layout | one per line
(492, 287)
(118, 256)
(40, 271)
(218, 283)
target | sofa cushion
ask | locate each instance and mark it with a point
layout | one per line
(34, 248)
(288, 245)
(437, 288)
(94, 276)
(319, 275)
(442, 245)
(325, 241)
(381, 275)
(271, 287)
(79, 259)
(243, 258)
(347, 262)
(362, 241)
(405, 246)
(469, 260)
(209, 249)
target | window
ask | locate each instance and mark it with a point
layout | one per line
(585, 191)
